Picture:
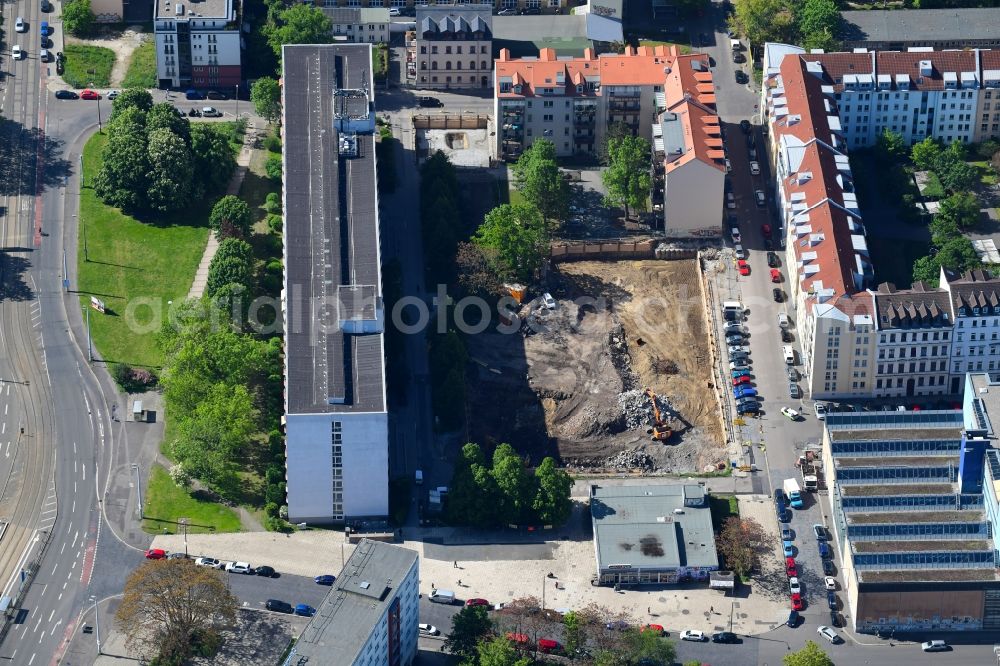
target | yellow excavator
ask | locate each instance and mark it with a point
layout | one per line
(660, 432)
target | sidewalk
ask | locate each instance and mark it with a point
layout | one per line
(235, 183)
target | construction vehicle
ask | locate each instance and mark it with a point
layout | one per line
(810, 465)
(660, 432)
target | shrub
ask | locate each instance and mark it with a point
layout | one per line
(273, 167)
(271, 510)
(272, 143)
(275, 223)
(122, 374)
(180, 475)
(272, 203)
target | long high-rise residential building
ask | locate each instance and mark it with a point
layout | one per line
(336, 422)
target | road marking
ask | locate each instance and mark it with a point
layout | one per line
(5, 407)
(59, 598)
(51, 615)
(64, 584)
(75, 537)
(37, 624)
(84, 472)
(30, 661)
(74, 486)
(75, 562)
(73, 510)
(63, 548)
(54, 567)
(4, 428)
(74, 448)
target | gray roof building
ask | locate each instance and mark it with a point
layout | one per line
(652, 534)
(919, 307)
(375, 594)
(940, 28)
(458, 22)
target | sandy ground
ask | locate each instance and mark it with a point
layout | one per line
(619, 327)
(123, 45)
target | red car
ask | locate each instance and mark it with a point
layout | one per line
(655, 628)
(745, 379)
(477, 602)
(775, 275)
(743, 266)
(797, 604)
(765, 230)
(89, 94)
(790, 569)
(155, 554)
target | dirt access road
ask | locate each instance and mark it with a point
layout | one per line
(574, 388)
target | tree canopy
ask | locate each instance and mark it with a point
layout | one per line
(170, 171)
(627, 177)
(230, 212)
(176, 609)
(78, 18)
(741, 542)
(265, 93)
(810, 655)
(540, 181)
(517, 235)
(469, 626)
(299, 24)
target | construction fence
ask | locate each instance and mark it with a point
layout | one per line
(616, 249)
(466, 121)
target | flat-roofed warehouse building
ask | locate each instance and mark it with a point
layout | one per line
(336, 423)
(652, 534)
(370, 616)
(910, 519)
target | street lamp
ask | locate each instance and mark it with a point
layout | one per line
(138, 486)
(100, 128)
(97, 623)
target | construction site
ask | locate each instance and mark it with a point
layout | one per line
(613, 375)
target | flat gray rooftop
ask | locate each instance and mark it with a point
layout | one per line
(895, 489)
(883, 517)
(904, 546)
(922, 25)
(356, 602)
(194, 10)
(928, 575)
(332, 261)
(650, 527)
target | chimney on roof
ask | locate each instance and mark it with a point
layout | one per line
(547, 54)
(887, 288)
(504, 55)
(926, 68)
(588, 53)
(919, 286)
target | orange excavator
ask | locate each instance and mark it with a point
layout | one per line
(660, 432)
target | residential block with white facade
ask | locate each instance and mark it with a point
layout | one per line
(359, 24)
(197, 44)
(454, 46)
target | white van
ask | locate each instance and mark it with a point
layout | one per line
(789, 354)
(783, 320)
(442, 596)
(735, 45)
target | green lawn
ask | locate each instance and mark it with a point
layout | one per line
(134, 267)
(88, 66)
(142, 67)
(933, 189)
(164, 503)
(722, 507)
(987, 176)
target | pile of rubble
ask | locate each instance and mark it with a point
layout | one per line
(637, 410)
(631, 459)
(620, 358)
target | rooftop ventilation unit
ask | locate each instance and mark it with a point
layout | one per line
(179, 10)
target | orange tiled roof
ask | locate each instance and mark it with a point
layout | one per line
(689, 93)
(838, 65)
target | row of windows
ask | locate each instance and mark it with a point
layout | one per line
(447, 49)
(448, 79)
(923, 501)
(907, 560)
(337, 470)
(889, 474)
(931, 381)
(912, 337)
(896, 447)
(458, 65)
(897, 530)
(922, 366)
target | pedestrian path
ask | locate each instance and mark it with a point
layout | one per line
(235, 183)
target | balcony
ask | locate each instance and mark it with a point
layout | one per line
(587, 119)
(624, 105)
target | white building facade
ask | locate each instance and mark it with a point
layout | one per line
(198, 44)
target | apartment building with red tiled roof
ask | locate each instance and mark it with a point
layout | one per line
(572, 101)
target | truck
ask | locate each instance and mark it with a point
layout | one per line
(810, 466)
(791, 487)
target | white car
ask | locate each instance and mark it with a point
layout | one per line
(428, 629)
(755, 168)
(730, 200)
(210, 112)
(828, 633)
(113, 94)
(20, 25)
(208, 562)
(44, 55)
(934, 646)
(548, 301)
(790, 413)
(793, 586)
(738, 349)
(738, 365)
(830, 582)
(736, 235)
(693, 635)
(394, 11)
(239, 567)
(820, 410)
(729, 167)
(740, 254)
(16, 53)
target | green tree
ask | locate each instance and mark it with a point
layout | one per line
(514, 486)
(762, 20)
(230, 212)
(299, 24)
(810, 655)
(499, 651)
(228, 271)
(541, 183)
(741, 542)
(78, 18)
(627, 177)
(468, 627)
(961, 209)
(214, 161)
(890, 147)
(958, 255)
(137, 98)
(517, 235)
(925, 153)
(273, 165)
(170, 171)
(815, 17)
(574, 632)
(265, 93)
(943, 229)
(165, 116)
(646, 647)
(616, 130)
(956, 175)
(234, 248)
(472, 496)
(927, 269)
(823, 39)
(121, 181)
(552, 501)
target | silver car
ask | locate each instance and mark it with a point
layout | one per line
(20, 25)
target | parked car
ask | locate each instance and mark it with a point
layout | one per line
(934, 646)
(742, 379)
(733, 328)
(530, 11)
(90, 94)
(775, 275)
(787, 534)
(790, 413)
(793, 619)
(305, 610)
(208, 562)
(824, 550)
(66, 94)
(828, 569)
(742, 364)
(693, 635)
(788, 548)
(772, 260)
(477, 602)
(549, 646)
(113, 94)
(741, 77)
(729, 166)
(194, 113)
(429, 101)
(734, 339)
(820, 532)
(778, 295)
(191, 93)
(20, 25)
(759, 197)
(177, 556)
(740, 373)
(239, 567)
(279, 606)
(797, 604)
(820, 409)
(794, 392)
(394, 11)
(155, 554)
(325, 579)
(786, 335)
(43, 28)
(216, 94)
(210, 112)
(745, 126)
(793, 586)
(791, 568)
(828, 633)
(735, 233)
(830, 583)
(428, 629)
(724, 637)
(16, 53)
(831, 599)
(744, 392)
(265, 571)
(655, 628)
(738, 249)
(743, 267)
(793, 374)
(835, 619)
(755, 169)
(748, 408)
